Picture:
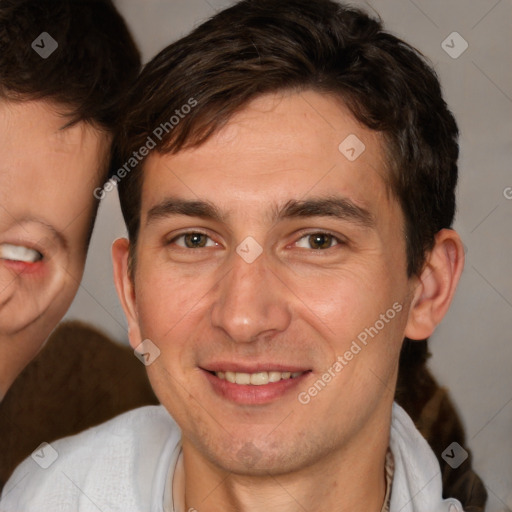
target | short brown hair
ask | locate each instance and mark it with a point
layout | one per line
(95, 63)
(263, 46)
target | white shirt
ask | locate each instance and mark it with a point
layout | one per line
(128, 465)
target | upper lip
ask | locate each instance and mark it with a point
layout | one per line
(244, 367)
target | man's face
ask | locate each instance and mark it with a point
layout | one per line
(290, 299)
(47, 175)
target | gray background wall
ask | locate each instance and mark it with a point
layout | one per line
(472, 349)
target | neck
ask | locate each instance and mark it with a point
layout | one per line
(349, 480)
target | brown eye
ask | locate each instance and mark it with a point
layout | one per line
(320, 241)
(194, 240)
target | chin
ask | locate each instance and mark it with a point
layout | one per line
(248, 459)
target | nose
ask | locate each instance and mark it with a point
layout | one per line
(251, 302)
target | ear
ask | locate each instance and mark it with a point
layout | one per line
(435, 287)
(125, 288)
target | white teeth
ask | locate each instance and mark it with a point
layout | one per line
(242, 378)
(19, 253)
(260, 378)
(274, 376)
(256, 379)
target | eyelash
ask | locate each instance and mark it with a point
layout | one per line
(335, 238)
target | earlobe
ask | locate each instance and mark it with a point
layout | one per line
(125, 288)
(436, 285)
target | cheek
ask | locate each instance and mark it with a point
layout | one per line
(344, 301)
(41, 295)
(53, 315)
(64, 295)
(364, 314)
(166, 301)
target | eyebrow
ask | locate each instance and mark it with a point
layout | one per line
(338, 207)
(170, 207)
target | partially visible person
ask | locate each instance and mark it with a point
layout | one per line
(47, 174)
(65, 66)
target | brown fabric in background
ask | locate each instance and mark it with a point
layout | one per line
(79, 379)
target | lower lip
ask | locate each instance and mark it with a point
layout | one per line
(253, 395)
(22, 267)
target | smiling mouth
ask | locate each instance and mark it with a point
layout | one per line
(19, 253)
(256, 379)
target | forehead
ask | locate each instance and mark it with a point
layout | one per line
(279, 147)
(36, 137)
(40, 119)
